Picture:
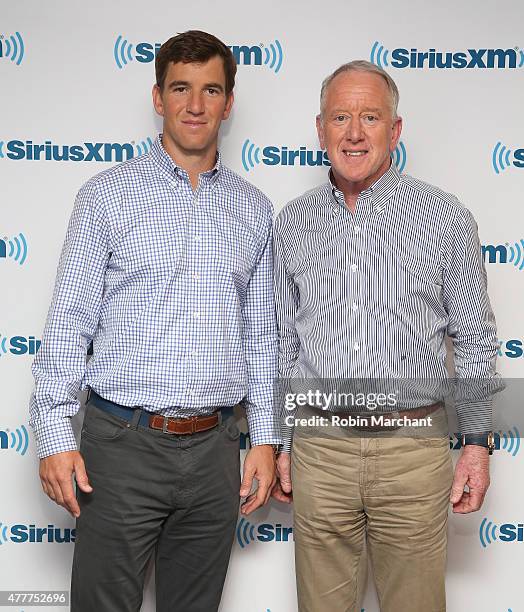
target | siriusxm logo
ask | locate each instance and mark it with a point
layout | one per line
(503, 158)
(19, 345)
(511, 348)
(31, 534)
(468, 58)
(490, 532)
(14, 248)
(17, 440)
(264, 532)
(85, 152)
(508, 441)
(12, 47)
(273, 155)
(269, 55)
(505, 254)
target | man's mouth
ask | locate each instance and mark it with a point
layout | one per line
(354, 153)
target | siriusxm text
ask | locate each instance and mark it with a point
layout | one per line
(469, 58)
(85, 152)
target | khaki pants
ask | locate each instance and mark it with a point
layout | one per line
(394, 492)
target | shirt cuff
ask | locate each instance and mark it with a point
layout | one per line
(263, 428)
(475, 417)
(54, 437)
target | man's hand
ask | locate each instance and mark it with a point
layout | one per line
(282, 488)
(56, 472)
(472, 469)
(260, 464)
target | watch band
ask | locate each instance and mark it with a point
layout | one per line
(486, 440)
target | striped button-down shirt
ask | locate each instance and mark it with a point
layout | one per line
(174, 288)
(372, 294)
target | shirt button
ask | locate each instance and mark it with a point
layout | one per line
(196, 275)
(191, 391)
(354, 267)
(354, 306)
(336, 211)
(356, 346)
(197, 238)
(196, 315)
(357, 229)
(194, 354)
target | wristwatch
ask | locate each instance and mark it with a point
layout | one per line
(487, 440)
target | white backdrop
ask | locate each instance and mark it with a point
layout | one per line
(74, 73)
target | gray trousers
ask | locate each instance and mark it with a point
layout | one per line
(175, 496)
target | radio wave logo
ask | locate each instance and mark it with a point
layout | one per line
(17, 440)
(3, 534)
(122, 52)
(14, 248)
(273, 56)
(379, 55)
(500, 158)
(250, 155)
(510, 441)
(12, 47)
(253, 155)
(143, 147)
(433, 58)
(487, 532)
(399, 156)
(245, 533)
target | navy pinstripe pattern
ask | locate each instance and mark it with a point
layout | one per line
(174, 288)
(373, 294)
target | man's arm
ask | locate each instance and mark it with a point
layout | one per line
(260, 348)
(472, 329)
(61, 360)
(287, 302)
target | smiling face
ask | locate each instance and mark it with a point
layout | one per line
(357, 129)
(193, 104)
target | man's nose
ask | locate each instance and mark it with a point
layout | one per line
(195, 103)
(354, 130)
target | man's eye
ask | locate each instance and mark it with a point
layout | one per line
(179, 89)
(370, 118)
(212, 91)
(340, 118)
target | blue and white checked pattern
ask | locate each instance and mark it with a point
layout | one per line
(373, 294)
(174, 288)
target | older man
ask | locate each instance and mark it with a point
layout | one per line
(373, 269)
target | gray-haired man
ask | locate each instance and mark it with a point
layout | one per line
(373, 269)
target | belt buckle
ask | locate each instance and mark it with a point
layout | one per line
(164, 425)
(193, 420)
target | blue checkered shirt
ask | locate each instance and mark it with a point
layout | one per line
(174, 288)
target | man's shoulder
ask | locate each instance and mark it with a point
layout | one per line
(306, 203)
(431, 194)
(124, 173)
(238, 185)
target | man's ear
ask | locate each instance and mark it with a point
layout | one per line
(320, 132)
(157, 100)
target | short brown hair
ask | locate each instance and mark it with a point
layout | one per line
(194, 46)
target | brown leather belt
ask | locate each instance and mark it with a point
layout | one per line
(168, 425)
(183, 426)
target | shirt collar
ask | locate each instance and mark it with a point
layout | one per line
(379, 193)
(169, 167)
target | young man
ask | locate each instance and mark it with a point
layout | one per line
(167, 270)
(373, 268)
